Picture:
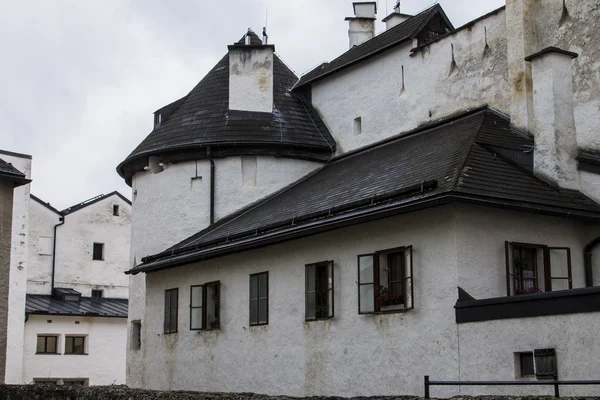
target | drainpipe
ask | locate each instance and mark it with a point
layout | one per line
(587, 261)
(212, 186)
(62, 221)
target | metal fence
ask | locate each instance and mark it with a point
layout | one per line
(554, 382)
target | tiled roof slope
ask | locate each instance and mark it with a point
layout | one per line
(93, 200)
(467, 157)
(41, 304)
(203, 118)
(396, 35)
(8, 172)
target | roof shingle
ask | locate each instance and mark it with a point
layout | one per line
(41, 304)
(457, 158)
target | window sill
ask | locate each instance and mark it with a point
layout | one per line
(75, 354)
(386, 312)
(169, 333)
(262, 324)
(318, 319)
(48, 354)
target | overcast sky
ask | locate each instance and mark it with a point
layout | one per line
(80, 79)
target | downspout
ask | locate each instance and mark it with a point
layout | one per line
(212, 186)
(62, 221)
(587, 261)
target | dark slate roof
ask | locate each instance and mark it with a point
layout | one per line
(475, 156)
(589, 161)
(93, 200)
(203, 119)
(407, 30)
(10, 173)
(42, 304)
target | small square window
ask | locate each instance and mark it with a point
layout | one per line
(115, 209)
(98, 251)
(526, 364)
(46, 344)
(97, 293)
(75, 345)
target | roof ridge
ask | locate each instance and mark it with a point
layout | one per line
(44, 203)
(93, 200)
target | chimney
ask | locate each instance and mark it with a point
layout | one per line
(362, 25)
(553, 117)
(251, 75)
(395, 18)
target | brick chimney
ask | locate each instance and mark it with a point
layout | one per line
(553, 117)
(362, 25)
(251, 75)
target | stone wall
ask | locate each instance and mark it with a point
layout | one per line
(47, 392)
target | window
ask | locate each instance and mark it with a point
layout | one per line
(97, 293)
(116, 210)
(75, 382)
(540, 363)
(171, 309)
(136, 335)
(46, 344)
(533, 268)
(385, 281)
(357, 126)
(526, 364)
(98, 252)
(319, 291)
(204, 306)
(259, 299)
(75, 345)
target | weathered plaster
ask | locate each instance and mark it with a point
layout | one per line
(251, 78)
(6, 208)
(104, 363)
(18, 272)
(453, 246)
(41, 231)
(291, 356)
(94, 223)
(373, 91)
(360, 30)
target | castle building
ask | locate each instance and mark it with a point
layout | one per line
(427, 203)
(66, 291)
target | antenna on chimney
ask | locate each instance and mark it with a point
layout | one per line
(265, 36)
(397, 6)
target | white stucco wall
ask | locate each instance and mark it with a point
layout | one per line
(103, 365)
(348, 355)
(18, 272)
(95, 223)
(41, 239)
(373, 91)
(480, 241)
(362, 354)
(172, 195)
(251, 79)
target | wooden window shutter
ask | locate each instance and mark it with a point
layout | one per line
(545, 363)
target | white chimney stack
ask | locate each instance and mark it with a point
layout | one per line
(362, 25)
(251, 75)
(395, 18)
(553, 117)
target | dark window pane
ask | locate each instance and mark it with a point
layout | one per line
(310, 305)
(41, 344)
(527, 364)
(322, 285)
(68, 345)
(310, 278)
(98, 251)
(51, 344)
(254, 311)
(212, 304)
(78, 347)
(262, 311)
(262, 285)
(254, 287)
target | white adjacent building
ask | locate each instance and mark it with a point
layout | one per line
(427, 203)
(67, 306)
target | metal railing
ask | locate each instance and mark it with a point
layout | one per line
(554, 382)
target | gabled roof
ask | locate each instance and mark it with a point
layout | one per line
(400, 33)
(42, 304)
(10, 173)
(45, 204)
(202, 119)
(475, 156)
(93, 200)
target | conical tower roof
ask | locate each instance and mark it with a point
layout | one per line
(201, 123)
